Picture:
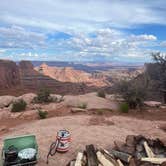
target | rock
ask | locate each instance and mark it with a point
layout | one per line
(9, 74)
(118, 145)
(3, 128)
(16, 115)
(75, 110)
(5, 101)
(163, 107)
(152, 103)
(31, 114)
(129, 150)
(130, 140)
(28, 98)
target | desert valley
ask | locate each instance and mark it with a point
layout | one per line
(77, 99)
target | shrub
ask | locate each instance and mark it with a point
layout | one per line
(124, 108)
(42, 114)
(82, 105)
(43, 96)
(19, 106)
(100, 112)
(133, 93)
(101, 93)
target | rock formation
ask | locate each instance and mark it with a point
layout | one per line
(9, 74)
(69, 74)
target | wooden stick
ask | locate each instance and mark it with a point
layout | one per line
(109, 156)
(79, 159)
(148, 150)
(121, 155)
(91, 155)
(72, 163)
(120, 163)
(103, 160)
(154, 160)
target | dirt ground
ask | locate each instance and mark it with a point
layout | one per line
(101, 130)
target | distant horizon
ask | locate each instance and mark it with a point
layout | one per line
(90, 30)
(79, 62)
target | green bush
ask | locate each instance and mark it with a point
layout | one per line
(42, 114)
(133, 93)
(19, 106)
(100, 112)
(43, 96)
(101, 93)
(124, 108)
(82, 105)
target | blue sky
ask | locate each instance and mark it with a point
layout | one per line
(82, 30)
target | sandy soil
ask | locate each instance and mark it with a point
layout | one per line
(85, 131)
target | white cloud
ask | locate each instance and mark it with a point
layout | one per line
(79, 18)
(111, 43)
(18, 37)
(82, 15)
(2, 51)
(144, 37)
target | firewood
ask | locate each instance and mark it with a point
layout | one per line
(148, 150)
(79, 159)
(109, 157)
(103, 160)
(72, 163)
(91, 155)
(121, 155)
(120, 163)
(154, 160)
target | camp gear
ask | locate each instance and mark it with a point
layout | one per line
(64, 141)
(20, 143)
(28, 153)
(11, 154)
(61, 144)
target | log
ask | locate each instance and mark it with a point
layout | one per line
(110, 157)
(79, 159)
(154, 160)
(72, 163)
(91, 155)
(121, 155)
(119, 163)
(103, 160)
(148, 150)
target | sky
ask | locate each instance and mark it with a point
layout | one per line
(82, 30)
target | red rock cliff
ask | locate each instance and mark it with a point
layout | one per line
(9, 74)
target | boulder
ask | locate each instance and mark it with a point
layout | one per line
(163, 107)
(76, 110)
(152, 103)
(130, 140)
(28, 98)
(5, 101)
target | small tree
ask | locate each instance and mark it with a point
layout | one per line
(160, 60)
(133, 93)
(19, 106)
(124, 108)
(43, 96)
(42, 114)
(101, 93)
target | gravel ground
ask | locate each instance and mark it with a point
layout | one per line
(83, 132)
